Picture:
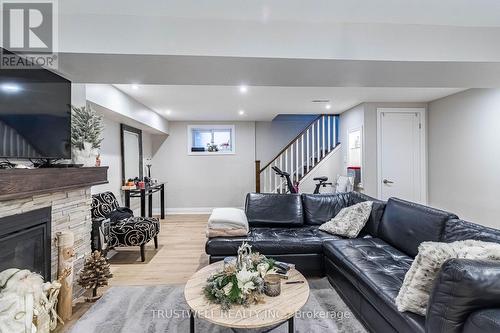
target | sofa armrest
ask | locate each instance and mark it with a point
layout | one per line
(462, 287)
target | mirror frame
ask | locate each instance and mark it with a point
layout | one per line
(137, 131)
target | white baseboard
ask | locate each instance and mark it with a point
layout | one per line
(186, 210)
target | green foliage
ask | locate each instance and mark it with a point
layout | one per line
(234, 294)
(270, 262)
(214, 289)
(86, 126)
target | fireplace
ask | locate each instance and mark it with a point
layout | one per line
(25, 242)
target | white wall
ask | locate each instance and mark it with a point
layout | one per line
(272, 136)
(464, 155)
(110, 151)
(330, 167)
(125, 107)
(111, 157)
(370, 141)
(311, 37)
(200, 183)
(365, 115)
(350, 119)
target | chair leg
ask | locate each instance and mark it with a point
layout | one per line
(156, 242)
(143, 252)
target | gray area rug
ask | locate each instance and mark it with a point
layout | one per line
(163, 309)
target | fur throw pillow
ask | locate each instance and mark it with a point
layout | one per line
(419, 280)
(349, 221)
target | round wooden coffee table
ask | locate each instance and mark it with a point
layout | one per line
(274, 310)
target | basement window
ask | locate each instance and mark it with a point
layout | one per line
(211, 139)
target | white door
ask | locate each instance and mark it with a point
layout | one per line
(401, 154)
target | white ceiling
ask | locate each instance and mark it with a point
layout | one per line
(202, 103)
(408, 30)
(190, 55)
(472, 13)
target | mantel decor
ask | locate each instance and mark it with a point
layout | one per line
(241, 282)
(86, 128)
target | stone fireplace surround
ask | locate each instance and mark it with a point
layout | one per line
(70, 206)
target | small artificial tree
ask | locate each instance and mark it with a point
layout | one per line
(86, 126)
(95, 273)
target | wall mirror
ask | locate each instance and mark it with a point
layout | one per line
(131, 146)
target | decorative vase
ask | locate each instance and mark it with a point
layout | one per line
(86, 156)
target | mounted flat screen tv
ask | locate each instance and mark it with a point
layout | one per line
(35, 114)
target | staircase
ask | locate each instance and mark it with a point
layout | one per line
(300, 156)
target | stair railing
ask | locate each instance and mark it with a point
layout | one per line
(300, 156)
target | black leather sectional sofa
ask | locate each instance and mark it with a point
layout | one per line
(368, 271)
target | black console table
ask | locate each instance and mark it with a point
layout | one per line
(147, 191)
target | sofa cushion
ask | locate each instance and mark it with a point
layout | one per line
(274, 210)
(378, 207)
(456, 230)
(266, 240)
(321, 208)
(349, 221)
(406, 224)
(377, 270)
(307, 239)
(225, 246)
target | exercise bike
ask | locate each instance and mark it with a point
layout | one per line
(322, 182)
(292, 187)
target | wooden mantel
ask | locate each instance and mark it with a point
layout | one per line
(21, 183)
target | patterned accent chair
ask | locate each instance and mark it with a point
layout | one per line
(129, 231)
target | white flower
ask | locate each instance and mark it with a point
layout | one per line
(245, 282)
(227, 288)
(262, 269)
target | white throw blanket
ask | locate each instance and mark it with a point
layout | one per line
(227, 222)
(20, 290)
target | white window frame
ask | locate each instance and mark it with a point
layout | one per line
(190, 129)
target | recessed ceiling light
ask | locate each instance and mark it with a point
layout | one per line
(135, 86)
(168, 111)
(328, 106)
(243, 89)
(10, 87)
(241, 112)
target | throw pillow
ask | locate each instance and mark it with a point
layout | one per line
(419, 280)
(349, 221)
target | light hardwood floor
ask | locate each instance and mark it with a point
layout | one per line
(180, 254)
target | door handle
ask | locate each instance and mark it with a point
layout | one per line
(385, 181)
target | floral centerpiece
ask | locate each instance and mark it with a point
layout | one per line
(241, 282)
